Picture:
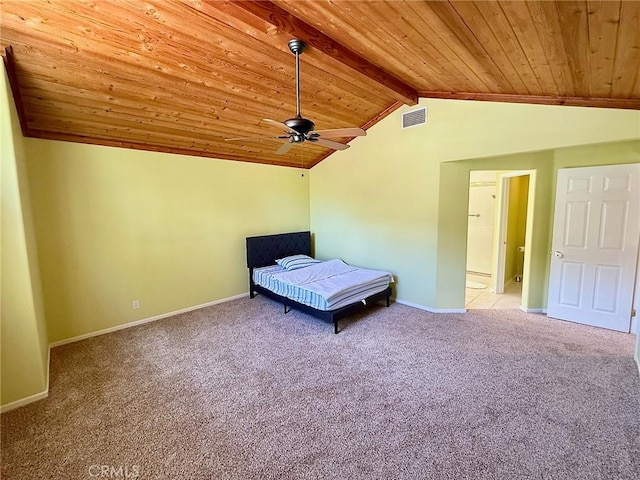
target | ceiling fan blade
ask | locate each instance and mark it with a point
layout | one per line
(284, 148)
(263, 137)
(276, 123)
(341, 132)
(330, 144)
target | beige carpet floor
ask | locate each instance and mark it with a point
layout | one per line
(242, 391)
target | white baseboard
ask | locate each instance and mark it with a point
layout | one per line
(24, 401)
(42, 395)
(429, 309)
(144, 320)
(533, 310)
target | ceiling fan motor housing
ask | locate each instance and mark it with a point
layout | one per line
(301, 126)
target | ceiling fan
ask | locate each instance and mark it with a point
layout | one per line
(299, 129)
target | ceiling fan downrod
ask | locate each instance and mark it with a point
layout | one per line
(300, 125)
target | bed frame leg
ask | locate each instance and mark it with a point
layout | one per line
(252, 293)
(285, 309)
(335, 327)
(388, 301)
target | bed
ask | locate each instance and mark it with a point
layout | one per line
(312, 288)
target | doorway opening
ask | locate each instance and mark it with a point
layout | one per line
(496, 233)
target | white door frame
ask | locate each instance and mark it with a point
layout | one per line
(635, 320)
(500, 240)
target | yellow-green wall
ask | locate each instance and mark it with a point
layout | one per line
(116, 225)
(516, 226)
(23, 335)
(397, 199)
(113, 225)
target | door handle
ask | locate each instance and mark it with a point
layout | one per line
(558, 254)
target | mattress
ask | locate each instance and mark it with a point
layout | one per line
(325, 286)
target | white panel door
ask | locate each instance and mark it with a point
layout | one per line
(596, 233)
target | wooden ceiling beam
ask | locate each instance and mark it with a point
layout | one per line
(286, 22)
(623, 103)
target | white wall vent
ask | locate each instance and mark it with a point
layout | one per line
(414, 118)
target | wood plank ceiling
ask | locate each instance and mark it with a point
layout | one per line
(182, 76)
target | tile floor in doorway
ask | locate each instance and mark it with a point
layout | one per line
(476, 298)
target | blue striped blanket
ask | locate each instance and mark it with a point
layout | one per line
(326, 285)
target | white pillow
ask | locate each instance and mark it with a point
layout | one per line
(295, 262)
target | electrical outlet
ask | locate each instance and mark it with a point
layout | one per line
(136, 305)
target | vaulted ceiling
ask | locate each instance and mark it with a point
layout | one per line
(184, 76)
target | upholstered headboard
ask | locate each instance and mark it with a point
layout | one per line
(265, 249)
